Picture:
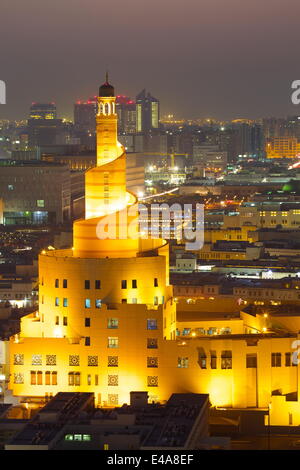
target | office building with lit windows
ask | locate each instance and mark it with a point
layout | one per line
(147, 113)
(43, 127)
(34, 192)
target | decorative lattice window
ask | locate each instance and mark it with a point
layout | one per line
(74, 360)
(113, 380)
(50, 360)
(18, 359)
(152, 343)
(18, 378)
(92, 360)
(113, 399)
(113, 361)
(152, 361)
(152, 381)
(36, 360)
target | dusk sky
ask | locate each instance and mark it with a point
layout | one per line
(218, 58)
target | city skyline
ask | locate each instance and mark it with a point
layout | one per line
(203, 56)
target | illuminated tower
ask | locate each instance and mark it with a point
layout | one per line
(104, 302)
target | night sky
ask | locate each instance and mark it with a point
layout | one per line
(218, 58)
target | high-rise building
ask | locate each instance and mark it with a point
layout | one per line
(125, 108)
(43, 127)
(43, 111)
(84, 115)
(147, 112)
(34, 192)
(243, 140)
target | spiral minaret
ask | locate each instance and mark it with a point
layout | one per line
(106, 195)
(97, 300)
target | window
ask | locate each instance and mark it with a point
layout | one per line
(124, 284)
(152, 381)
(65, 283)
(134, 300)
(186, 331)
(151, 324)
(47, 378)
(98, 303)
(152, 361)
(226, 360)
(40, 203)
(155, 300)
(113, 399)
(65, 321)
(113, 380)
(77, 378)
(155, 282)
(276, 359)
(97, 284)
(51, 360)
(134, 284)
(202, 360)
(124, 301)
(87, 322)
(56, 283)
(33, 377)
(86, 284)
(56, 301)
(40, 377)
(96, 380)
(74, 378)
(251, 361)
(71, 378)
(19, 359)
(112, 361)
(113, 342)
(54, 378)
(89, 379)
(288, 357)
(65, 302)
(56, 320)
(112, 323)
(18, 378)
(36, 360)
(152, 343)
(74, 360)
(183, 362)
(87, 341)
(87, 303)
(92, 361)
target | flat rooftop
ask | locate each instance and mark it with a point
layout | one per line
(173, 427)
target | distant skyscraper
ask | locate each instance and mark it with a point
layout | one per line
(43, 125)
(85, 115)
(147, 112)
(42, 111)
(126, 112)
(245, 140)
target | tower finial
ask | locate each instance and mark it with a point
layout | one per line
(106, 76)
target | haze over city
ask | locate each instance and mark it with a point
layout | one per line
(200, 58)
